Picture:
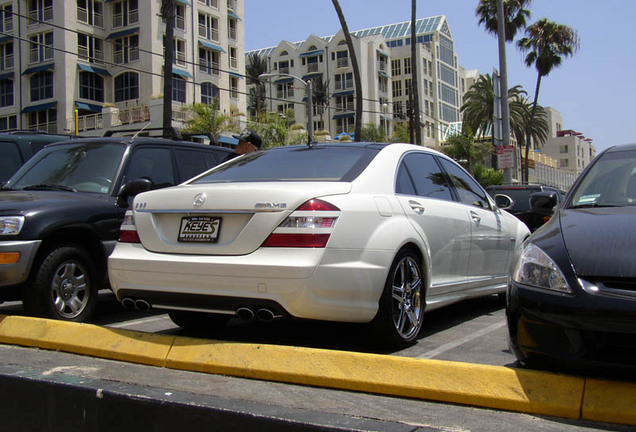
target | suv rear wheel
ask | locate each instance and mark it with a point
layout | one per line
(64, 286)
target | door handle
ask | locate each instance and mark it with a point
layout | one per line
(417, 207)
(475, 216)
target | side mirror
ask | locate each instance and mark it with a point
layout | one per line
(503, 201)
(543, 202)
(131, 189)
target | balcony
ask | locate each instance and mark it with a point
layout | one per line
(86, 123)
(312, 67)
(210, 68)
(6, 25)
(342, 62)
(135, 114)
(7, 62)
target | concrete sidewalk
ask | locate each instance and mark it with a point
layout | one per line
(495, 387)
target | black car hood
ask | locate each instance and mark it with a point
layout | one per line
(19, 201)
(600, 241)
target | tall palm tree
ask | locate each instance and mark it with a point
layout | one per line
(415, 106)
(520, 110)
(256, 65)
(167, 13)
(514, 10)
(356, 70)
(546, 44)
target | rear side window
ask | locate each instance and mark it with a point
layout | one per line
(10, 160)
(319, 163)
(192, 162)
(468, 190)
(419, 174)
(154, 164)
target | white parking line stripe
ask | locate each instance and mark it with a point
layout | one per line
(139, 321)
(449, 346)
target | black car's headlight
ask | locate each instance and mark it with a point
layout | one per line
(536, 268)
(11, 225)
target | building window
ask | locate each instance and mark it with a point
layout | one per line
(179, 16)
(179, 53)
(565, 163)
(231, 5)
(283, 67)
(125, 13)
(344, 103)
(342, 59)
(90, 12)
(563, 149)
(7, 59)
(90, 48)
(126, 49)
(231, 28)
(383, 84)
(41, 86)
(312, 64)
(8, 123)
(397, 88)
(209, 61)
(344, 81)
(233, 57)
(345, 124)
(233, 87)
(407, 66)
(91, 86)
(209, 93)
(40, 47)
(208, 27)
(396, 67)
(285, 91)
(284, 109)
(43, 121)
(39, 10)
(6, 92)
(211, 3)
(126, 86)
(178, 89)
(408, 83)
(6, 18)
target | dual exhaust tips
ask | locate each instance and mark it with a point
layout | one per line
(244, 313)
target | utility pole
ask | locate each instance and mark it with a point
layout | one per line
(167, 12)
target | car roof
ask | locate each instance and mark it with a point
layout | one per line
(134, 141)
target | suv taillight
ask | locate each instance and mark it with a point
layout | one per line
(128, 230)
(309, 226)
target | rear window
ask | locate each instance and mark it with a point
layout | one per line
(294, 164)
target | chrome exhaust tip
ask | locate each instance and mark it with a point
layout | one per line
(266, 315)
(245, 314)
(128, 303)
(142, 305)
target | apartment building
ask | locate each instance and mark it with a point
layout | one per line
(90, 65)
(384, 56)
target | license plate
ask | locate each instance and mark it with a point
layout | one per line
(203, 229)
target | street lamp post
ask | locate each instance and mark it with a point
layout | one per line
(309, 89)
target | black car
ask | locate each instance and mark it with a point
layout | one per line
(521, 194)
(572, 295)
(60, 214)
(17, 147)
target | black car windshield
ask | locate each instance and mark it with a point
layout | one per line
(79, 167)
(610, 182)
(319, 163)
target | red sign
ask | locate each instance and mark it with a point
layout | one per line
(506, 156)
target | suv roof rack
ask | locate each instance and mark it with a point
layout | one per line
(170, 132)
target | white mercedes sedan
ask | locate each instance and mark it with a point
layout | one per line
(353, 232)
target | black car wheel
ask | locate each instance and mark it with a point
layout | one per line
(64, 286)
(401, 308)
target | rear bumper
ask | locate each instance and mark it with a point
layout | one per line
(325, 284)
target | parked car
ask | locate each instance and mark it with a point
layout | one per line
(521, 194)
(60, 215)
(17, 147)
(356, 232)
(572, 296)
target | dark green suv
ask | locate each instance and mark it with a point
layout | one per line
(17, 147)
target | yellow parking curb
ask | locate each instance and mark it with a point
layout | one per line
(487, 386)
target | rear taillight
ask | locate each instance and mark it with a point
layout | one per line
(128, 230)
(309, 226)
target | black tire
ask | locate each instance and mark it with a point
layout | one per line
(198, 322)
(401, 309)
(64, 286)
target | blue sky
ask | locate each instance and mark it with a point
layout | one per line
(595, 90)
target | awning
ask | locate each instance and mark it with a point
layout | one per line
(346, 115)
(311, 75)
(88, 107)
(38, 68)
(284, 80)
(237, 75)
(384, 74)
(93, 69)
(123, 33)
(185, 2)
(211, 46)
(233, 15)
(343, 93)
(4, 38)
(386, 117)
(311, 53)
(4, 76)
(182, 73)
(41, 107)
(383, 53)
